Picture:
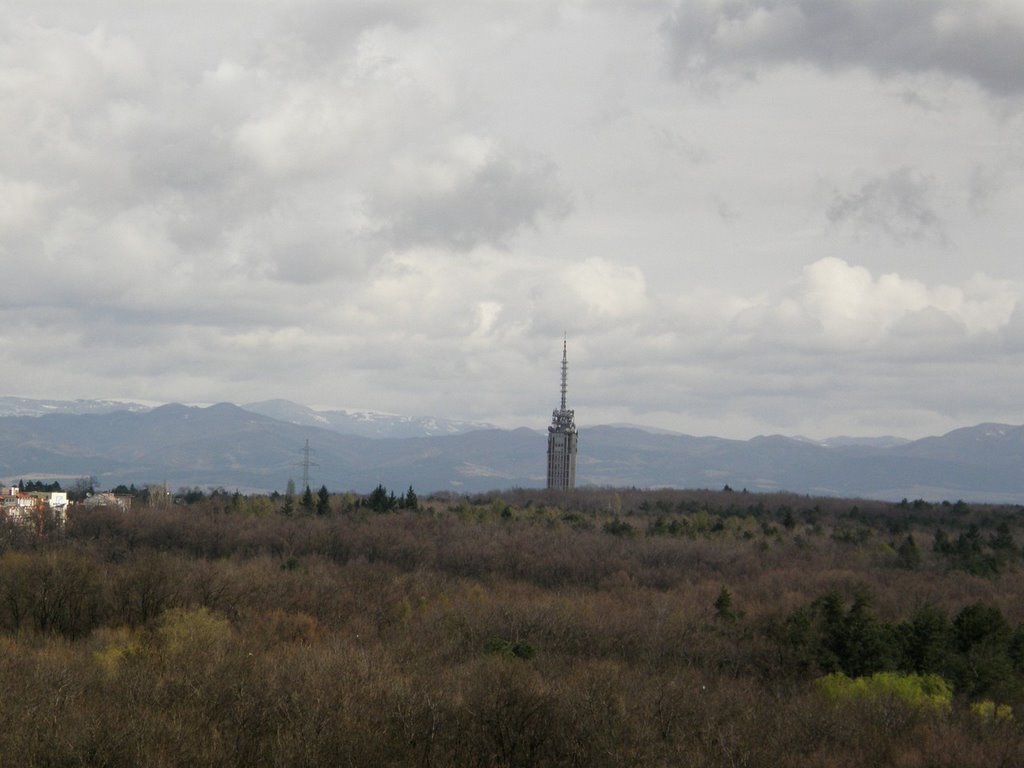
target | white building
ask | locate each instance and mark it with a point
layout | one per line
(108, 499)
(33, 508)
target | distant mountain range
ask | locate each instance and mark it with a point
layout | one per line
(365, 423)
(23, 406)
(259, 447)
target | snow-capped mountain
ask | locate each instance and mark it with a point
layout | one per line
(362, 422)
(23, 406)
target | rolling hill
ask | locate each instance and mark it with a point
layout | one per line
(234, 447)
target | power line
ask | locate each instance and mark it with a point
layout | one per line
(306, 464)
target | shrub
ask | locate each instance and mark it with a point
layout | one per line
(618, 527)
(519, 649)
(919, 691)
(989, 711)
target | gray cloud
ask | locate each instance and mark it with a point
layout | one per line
(897, 205)
(274, 161)
(490, 205)
(978, 40)
(312, 32)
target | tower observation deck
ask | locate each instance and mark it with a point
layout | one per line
(562, 440)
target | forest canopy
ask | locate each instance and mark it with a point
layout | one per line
(600, 627)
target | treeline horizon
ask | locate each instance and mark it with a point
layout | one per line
(597, 627)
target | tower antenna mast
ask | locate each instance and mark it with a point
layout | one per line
(565, 371)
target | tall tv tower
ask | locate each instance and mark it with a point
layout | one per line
(562, 439)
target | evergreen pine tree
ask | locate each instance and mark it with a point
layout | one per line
(378, 499)
(908, 555)
(323, 501)
(307, 501)
(723, 605)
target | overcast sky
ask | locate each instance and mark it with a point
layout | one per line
(748, 216)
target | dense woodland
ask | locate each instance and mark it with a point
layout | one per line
(609, 627)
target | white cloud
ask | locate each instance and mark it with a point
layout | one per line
(607, 290)
(849, 305)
